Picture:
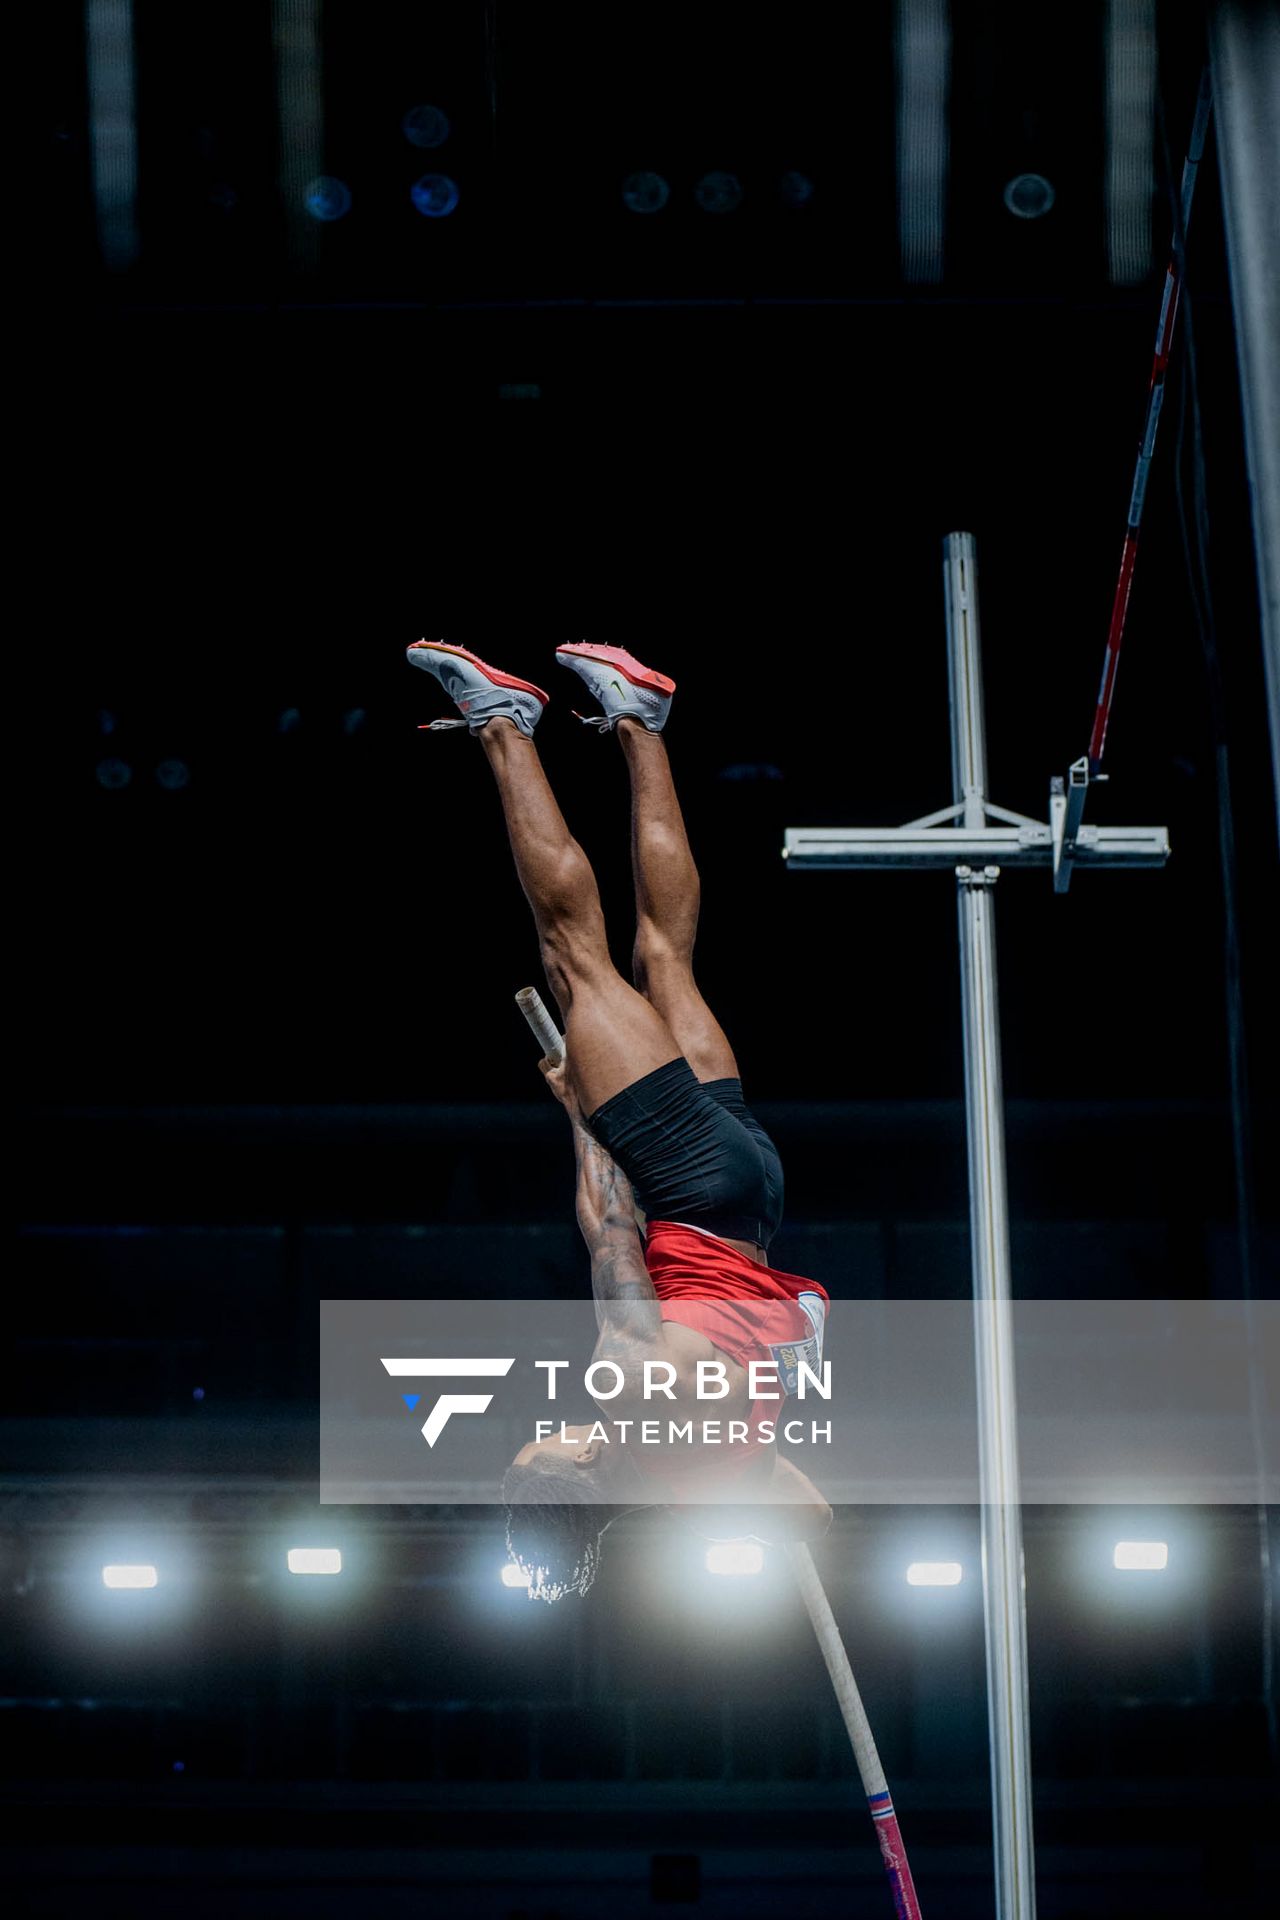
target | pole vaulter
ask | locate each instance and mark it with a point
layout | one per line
(664, 1141)
(679, 1188)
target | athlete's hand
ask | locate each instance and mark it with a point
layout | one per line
(555, 1073)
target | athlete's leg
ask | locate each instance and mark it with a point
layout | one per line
(667, 898)
(613, 1034)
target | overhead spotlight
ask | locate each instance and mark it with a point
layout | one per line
(1131, 66)
(434, 195)
(645, 192)
(113, 774)
(1029, 196)
(514, 1576)
(922, 83)
(314, 1560)
(173, 775)
(795, 189)
(934, 1573)
(735, 1557)
(113, 137)
(425, 127)
(327, 199)
(1141, 1556)
(130, 1576)
(718, 192)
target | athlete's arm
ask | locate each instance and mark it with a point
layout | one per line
(795, 1510)
(627, 1310)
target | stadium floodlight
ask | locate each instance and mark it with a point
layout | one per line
(143, 1575)
(934, 1573)
(514, 1575)
(315, 1560)
(1141, 1556)
(735, 1557)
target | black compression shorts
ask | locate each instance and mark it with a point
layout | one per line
(693, 1151)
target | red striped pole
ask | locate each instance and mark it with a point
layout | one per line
(1155, 396)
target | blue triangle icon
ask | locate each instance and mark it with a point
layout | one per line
(410, 1400)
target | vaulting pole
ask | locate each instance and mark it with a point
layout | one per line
(858, 1728)
(541, 1025)
(1003, 1591)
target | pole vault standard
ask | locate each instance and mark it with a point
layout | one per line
(977, 839)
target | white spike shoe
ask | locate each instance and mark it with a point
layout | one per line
(480, 692)
(625, 689)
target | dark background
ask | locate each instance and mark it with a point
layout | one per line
(265, 1023)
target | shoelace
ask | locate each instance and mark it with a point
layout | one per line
(606, 722)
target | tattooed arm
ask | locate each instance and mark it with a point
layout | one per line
(627, 1310)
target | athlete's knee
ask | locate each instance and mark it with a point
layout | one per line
(567, 887)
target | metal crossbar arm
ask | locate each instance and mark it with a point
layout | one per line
(831, 849)
(989, 808)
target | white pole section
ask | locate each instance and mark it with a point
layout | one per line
(858, 1728)
(1003, 1590)
(544, 1028)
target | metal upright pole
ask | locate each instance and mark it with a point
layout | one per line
(1003, 1591)
(1244, 43)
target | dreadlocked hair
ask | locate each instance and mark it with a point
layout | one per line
(553, 1527)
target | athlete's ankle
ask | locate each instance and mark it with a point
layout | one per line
(498, 731)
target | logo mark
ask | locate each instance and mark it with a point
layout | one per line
(448, 1403)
